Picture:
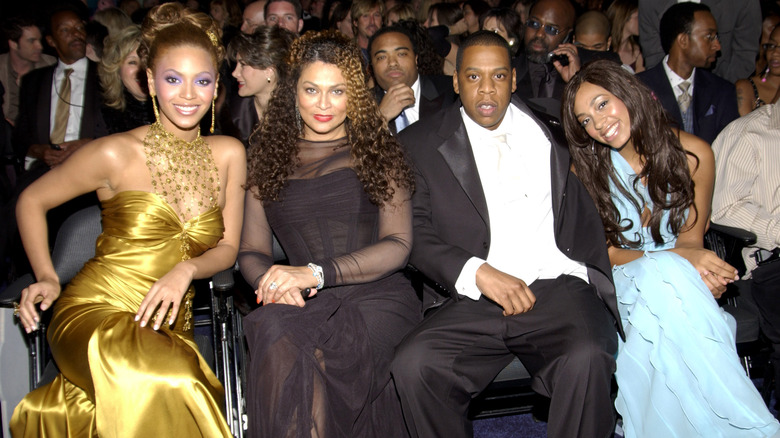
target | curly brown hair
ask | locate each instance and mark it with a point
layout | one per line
(377, 158)
(172, 25)
(666, 172)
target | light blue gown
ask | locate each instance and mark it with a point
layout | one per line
(678, 372)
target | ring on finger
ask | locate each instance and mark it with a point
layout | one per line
(273, 286)
(16, 309)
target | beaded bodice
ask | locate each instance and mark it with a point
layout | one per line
(184, 174)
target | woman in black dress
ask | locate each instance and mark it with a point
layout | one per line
(328, 179)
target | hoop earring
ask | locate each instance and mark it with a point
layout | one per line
(213, 111)
(154, 107)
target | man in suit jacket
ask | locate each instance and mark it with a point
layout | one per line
(689, 34)
(740, 29)
(404, 96)
(40, 93)
(513, 237)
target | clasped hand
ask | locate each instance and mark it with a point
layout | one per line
(283, 285)
(166, 293)
(715, 273)
(509, 292)
(44, 292)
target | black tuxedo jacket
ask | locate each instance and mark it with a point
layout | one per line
(451, 222)
(714, 100)
(525, 91)
(436, 92)
(33, 123)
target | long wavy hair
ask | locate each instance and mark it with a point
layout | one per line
(378, 159)
(666, 172)
(117, 48)
(618, 14)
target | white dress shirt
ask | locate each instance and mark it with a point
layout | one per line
(516, 181)
(675, 79)
(77, 86)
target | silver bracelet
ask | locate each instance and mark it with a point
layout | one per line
(316, 270)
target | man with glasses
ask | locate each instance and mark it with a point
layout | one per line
(700, 102)
(540, 78)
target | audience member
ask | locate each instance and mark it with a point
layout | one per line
(129, 7)
(328, 179)
(443, 24)
(548, 30)
(125, 94)
(771, 14)
(228, 16)
(341, 20)
(254, 16)
(59, 107)
(96, 35)
(310, 22)
(592, 38)
(366, 19)
(25, 54)
(114, 19)
(652, 186)
(122, 331)
(505, 22)
(403, 95)
(472, 10)
(624, 21)
(698, 101)
(740, 27)
(746, 187)
(522, 7)
(401, 11)
(284, 13)
(517, 285)
(764, 86)
(260, 65)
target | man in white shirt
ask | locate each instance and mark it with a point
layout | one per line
(403, 95)
(747, 181)
(698, 101)
(514, 245)
(42, 94)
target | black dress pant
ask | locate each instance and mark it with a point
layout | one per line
(567, 342)
(765, 288)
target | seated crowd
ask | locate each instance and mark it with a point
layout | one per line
(454, 185)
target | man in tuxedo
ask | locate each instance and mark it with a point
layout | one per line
(403, 95)
(38, 137)
(698, 101)
(514, 239)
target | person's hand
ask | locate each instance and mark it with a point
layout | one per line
(715, 273)
(283, 284)
(570, 51)
(54, 157)
(166, 293)
(511, 293)
(44, 292)
(458, 27)
(397, 97)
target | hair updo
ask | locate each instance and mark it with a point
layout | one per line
(172, 25)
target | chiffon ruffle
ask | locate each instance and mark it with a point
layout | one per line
(678, 372)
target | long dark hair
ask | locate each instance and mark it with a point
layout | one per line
(377, 157)
(665, 171)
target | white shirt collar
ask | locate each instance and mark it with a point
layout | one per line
(475, 131)
(675, 79)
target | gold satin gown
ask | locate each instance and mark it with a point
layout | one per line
(118, 379)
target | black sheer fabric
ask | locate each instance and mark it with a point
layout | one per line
(323, 370)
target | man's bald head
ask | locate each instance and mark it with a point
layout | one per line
(254, 16)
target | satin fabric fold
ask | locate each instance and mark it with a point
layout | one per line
(118, 379)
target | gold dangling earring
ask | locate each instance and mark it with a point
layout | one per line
(213, 111)
(156, 111)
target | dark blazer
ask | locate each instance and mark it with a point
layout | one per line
(714, 100)
(451, 222)
(436, 92)
(33, 123)
(525, 91)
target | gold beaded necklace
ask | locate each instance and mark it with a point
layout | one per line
(183, 173)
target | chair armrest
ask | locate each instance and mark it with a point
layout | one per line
(224, 281)
(743, 237)
(13, 292)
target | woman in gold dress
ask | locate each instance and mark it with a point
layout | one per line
(121, 332)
